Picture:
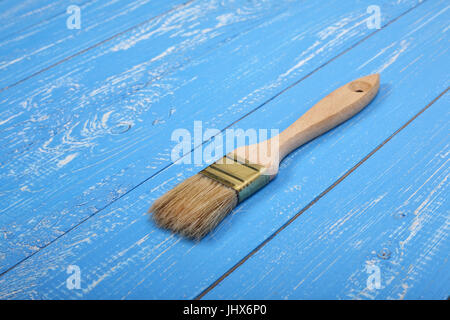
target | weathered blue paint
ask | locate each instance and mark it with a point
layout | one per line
(393, 213)
(65, 155)
(59, 141)
(51, 42)
(84, 106)
(19, 16)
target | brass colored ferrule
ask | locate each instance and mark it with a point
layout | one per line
(238, 174)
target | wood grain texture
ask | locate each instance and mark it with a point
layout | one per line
(18, 16)
(123, 255)
(335, 108)
(49, 43)
(393, 212)
(80, 137)
(332, 110)
(81, 114)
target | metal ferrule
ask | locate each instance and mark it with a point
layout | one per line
(238, 174)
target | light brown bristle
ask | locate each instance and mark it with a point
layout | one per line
(194, 207)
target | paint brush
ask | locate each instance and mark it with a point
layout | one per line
(194, 207)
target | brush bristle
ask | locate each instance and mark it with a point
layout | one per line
(194, 207)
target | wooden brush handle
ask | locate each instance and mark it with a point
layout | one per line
(329, 112)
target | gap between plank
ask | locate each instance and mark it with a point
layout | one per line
(95, 46)
(206, 141)
(316, 199)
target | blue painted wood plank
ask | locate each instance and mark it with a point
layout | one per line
(17, 16)
(29, 52)
(392, 213)
(112, 126)
(121, 254)
(81, 115)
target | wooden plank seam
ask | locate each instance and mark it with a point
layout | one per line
(204, 142)
(98, 44)
(315, 200)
